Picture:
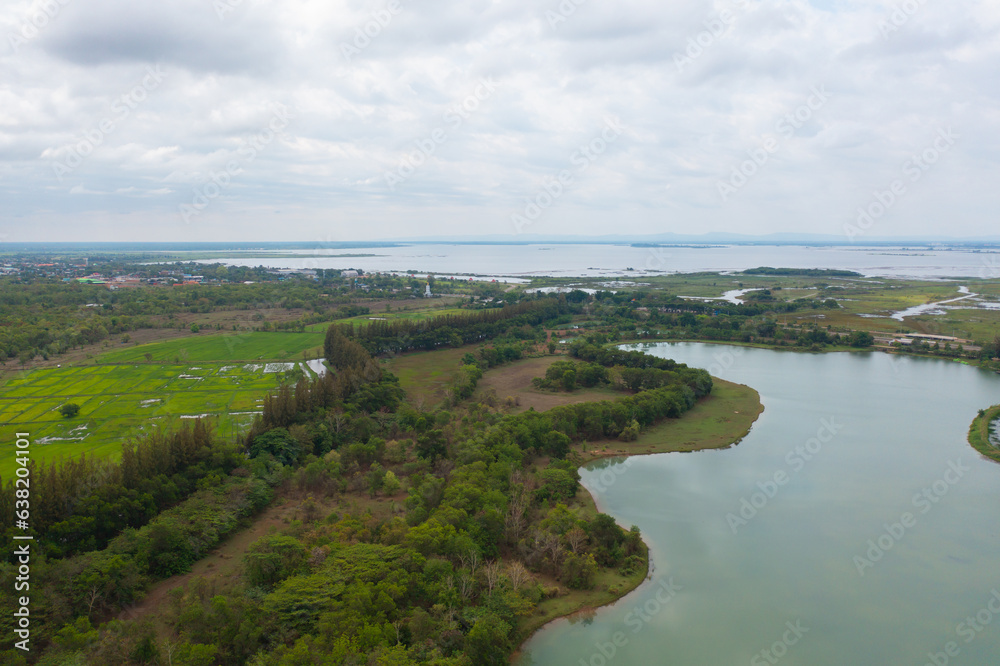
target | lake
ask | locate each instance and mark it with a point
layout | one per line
(592, 260)
(853, 525)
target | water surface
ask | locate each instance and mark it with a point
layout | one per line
(882, 430)
(625, 261)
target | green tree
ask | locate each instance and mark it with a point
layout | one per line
(390, 484)
(272, 559)
(860, 339)
(431, 445)
(569, 380)
(69, 410)
(488, 642)
(579, 570)
(279, 443)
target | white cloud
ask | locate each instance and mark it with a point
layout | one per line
(353, 119)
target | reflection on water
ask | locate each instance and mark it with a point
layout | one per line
(881, 488)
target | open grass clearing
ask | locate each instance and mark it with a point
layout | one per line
(427, 376)
(514, 379)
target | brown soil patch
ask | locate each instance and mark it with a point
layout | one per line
(515, 380)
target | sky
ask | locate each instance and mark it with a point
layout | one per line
(328, 121)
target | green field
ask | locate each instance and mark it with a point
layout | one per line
(250, 346)
(364, 320)
(223, 377)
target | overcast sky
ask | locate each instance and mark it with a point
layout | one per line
(325, 120)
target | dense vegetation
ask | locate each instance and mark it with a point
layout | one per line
(810, 272)
(381, 337)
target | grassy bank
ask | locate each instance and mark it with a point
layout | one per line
(979, 433)
(719, 420)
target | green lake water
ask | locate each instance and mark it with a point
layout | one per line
(853, 525)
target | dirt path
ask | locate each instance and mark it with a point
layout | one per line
(221, 564)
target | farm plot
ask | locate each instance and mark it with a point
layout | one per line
(117, 401)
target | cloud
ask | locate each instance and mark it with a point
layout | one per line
(697, 84)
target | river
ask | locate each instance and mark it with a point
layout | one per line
(853, 525)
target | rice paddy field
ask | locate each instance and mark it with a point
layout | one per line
(121, 393)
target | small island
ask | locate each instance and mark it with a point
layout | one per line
(984, 434)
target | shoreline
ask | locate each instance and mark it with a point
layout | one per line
(830, 349)
(631, 449)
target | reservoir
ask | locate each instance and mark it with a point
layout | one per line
(853, 525)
